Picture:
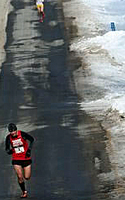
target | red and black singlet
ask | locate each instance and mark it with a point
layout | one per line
(19, 145)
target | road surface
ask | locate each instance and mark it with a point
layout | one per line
(38, 94)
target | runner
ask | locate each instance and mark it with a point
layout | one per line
(40, 7)
(17, 145)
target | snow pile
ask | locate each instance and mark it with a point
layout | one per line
(112, 41)
(100, 77)
(106, 59)
(107, 11)
(104, 55)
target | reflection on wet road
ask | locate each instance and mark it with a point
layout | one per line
(37, 93)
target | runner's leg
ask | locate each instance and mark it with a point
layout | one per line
(27, 172)
(19, 173)
(43, 15)
(41, 8)
(38, 8)
(42, 11)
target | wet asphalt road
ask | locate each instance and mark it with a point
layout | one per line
(38, 94)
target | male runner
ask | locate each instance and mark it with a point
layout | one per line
(40, 7)
(17, 145)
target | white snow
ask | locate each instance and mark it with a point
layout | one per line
(108, 11)
(100, 79)
(105, 53)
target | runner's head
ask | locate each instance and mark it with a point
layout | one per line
(12, 129)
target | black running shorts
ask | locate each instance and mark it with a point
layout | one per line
(22, 163)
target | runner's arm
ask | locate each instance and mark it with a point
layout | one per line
(26, 136)
(7, 145)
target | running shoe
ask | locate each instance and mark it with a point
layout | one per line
(24, 195)
(41, 20)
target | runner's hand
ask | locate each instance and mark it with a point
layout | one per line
(28, 153)
(9, 151)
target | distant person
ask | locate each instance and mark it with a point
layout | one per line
(17, 145)
(40, 7)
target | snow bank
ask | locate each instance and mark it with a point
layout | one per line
(104, 54)
(112, 41)
(100, 79)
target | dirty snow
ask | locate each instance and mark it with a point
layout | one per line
(105, 53)
(100, 80)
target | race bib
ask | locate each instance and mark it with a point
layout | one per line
(19, 149)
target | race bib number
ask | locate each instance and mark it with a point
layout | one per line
(19, 149)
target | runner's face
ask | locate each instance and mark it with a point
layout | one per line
(14, 133)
